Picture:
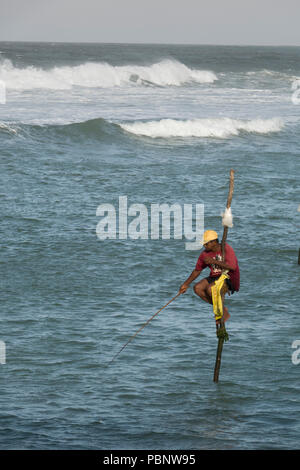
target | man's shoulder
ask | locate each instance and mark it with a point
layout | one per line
(202, 255)
(229, 248)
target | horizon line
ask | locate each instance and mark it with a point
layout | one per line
(148, 43)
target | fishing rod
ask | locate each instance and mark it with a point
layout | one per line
(143, 326)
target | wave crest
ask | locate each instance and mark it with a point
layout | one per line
(102, 74)
(221, 128)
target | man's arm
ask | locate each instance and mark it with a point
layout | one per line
(221, 264)
(183, 288)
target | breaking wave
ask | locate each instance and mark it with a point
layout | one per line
(220, 128)
(102, 75)
(100, 129)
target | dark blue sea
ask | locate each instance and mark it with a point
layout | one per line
(82, 125)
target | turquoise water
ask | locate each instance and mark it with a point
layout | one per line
(85, 124)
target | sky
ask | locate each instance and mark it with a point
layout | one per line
(234, 22)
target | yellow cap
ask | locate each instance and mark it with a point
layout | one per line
(208, 236)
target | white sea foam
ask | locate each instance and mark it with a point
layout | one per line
(221, 127)
(8, 128)
(164, 73)
(276, 74)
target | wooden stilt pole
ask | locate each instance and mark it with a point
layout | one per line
(218, 357)
(221, 331)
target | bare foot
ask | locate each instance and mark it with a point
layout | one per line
(226, 315)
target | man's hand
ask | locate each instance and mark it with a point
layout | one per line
(183, 288)
(220, 264)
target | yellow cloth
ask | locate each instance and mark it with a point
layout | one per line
(216, 290)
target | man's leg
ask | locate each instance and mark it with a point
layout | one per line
(203, 289)
(226, 314)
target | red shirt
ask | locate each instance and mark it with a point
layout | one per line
(215, 271)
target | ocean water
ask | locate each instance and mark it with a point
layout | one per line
(82, 125)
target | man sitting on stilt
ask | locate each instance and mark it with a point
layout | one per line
(211, 257)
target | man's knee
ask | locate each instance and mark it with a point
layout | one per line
(200, 288)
